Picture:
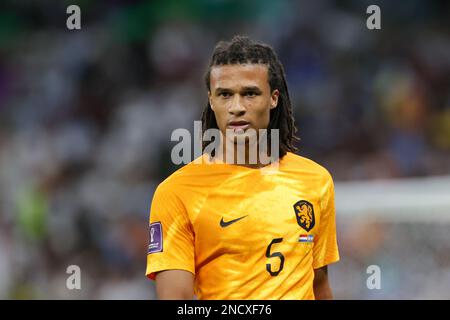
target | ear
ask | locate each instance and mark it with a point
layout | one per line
(209, 99)
(274, 98)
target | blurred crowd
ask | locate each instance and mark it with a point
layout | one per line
(86, 117)
(412, 260)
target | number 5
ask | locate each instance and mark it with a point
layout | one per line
(273, 255)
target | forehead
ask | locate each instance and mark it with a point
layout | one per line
(239, 75)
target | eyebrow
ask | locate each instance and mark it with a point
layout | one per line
(251, 88)
(243, 89)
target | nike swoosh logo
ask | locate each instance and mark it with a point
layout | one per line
(224, 224)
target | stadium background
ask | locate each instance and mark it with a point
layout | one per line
(86, 118)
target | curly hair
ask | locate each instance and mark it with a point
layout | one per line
(242, 50)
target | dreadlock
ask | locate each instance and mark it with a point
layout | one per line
(242, 50)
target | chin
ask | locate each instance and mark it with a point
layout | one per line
(242, 138)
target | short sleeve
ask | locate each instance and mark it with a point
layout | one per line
(325, 250)
(171, 237)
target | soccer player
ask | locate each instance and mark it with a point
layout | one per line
(222, 230)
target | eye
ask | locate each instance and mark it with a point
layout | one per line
(250, 94)
(225, 94)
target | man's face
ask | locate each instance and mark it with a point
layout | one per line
(240, 97)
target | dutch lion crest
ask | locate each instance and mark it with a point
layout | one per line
(304, 212)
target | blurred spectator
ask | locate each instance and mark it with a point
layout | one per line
(86, 119)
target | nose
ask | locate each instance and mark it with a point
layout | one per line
(236, 107)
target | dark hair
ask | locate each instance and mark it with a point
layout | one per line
(242, 50)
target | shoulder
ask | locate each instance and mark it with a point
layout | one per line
(168, 193)
(183, 176)
(302, 165)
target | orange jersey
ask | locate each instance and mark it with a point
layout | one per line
(243, 234)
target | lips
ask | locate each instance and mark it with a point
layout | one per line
(238, 125)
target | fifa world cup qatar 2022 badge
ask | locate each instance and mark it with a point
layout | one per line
(156, 238)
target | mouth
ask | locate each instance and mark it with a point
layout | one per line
(238, 125)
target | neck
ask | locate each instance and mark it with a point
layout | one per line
(246, 154)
